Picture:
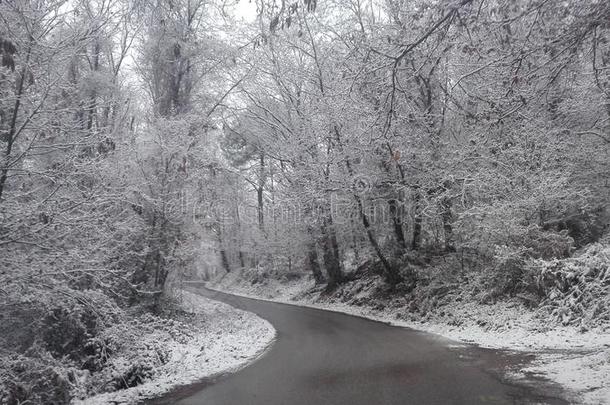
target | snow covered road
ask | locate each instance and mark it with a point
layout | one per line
(323, 357)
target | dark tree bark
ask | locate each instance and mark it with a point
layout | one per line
(10, 137)
(447, 217)
(332, 262)
(225, 260)
(392, 275)
(241, 259)
(355, 242)
(417, 220)
(397, 224)
(396, 204)
(260, 193)
(314, 264)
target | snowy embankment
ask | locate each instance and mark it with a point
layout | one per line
(578, 360)
(229, 339)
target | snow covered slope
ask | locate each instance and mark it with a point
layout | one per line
(230, 340)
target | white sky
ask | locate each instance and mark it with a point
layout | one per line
(246, 10)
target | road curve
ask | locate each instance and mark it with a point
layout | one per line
(323, 357)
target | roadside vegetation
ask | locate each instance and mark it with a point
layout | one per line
(105, 113)
(448, 149)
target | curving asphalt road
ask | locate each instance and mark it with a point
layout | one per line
(323, 357)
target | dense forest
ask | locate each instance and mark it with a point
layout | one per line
(430, 142)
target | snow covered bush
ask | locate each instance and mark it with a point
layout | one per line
(128, 353)
(504, 272)
(574, 290)
(58, 343)
(34, 378)
(507, 272)
(46, 335)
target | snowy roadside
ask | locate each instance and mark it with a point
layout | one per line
(231, 339)
(579, 361)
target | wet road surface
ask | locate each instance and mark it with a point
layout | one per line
(323, 357)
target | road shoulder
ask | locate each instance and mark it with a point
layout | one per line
(230, 340)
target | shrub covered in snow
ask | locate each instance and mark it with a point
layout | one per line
(34, 378)
(56, 346)
(46, 336)
(574, 290)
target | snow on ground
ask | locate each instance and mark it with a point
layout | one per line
(578, 360)
(587, 373)
(231, 339)
(260, 283)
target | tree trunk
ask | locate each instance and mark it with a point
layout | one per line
(314, 265)
(10, 138)
(417, 228)
(241, 259)
(447, 218)
(225, 260)
(259, 193)
(392, 275)
(397, 223)
(355, 242)
(92, 108)
(331, 257)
